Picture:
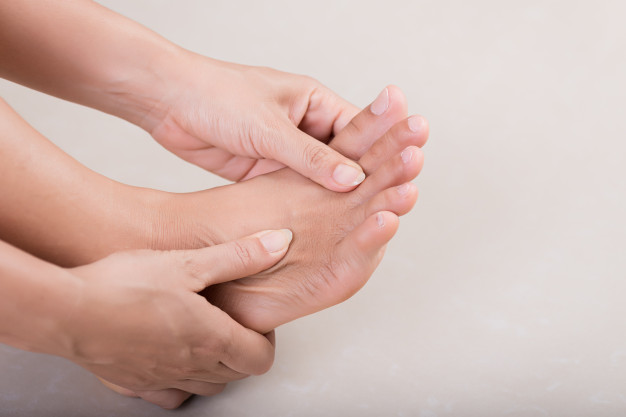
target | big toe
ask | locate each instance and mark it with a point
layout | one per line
(362, 250)
(371, 123)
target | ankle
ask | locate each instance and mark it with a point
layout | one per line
(173, 224)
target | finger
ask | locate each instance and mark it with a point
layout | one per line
(217, 374)
(326, 114)
(167, 398)
(246, 351)
(232, 260)
(120, 390)
(314, 159)
(206, 389)
(242, 350)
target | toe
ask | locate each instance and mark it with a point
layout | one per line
(371, 123)
(363, 248)
(399, 200)
(412, 131)
(397, 170)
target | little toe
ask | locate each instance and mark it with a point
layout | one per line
(397, 170)
(362, 250)
(412, 131)
(371, 123)
(398, 200)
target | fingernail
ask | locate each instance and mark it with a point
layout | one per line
(415, 123)
(406, 155)
(380, 220)
(276, 240)
(348, 175)
(403, 189)
(381, 104)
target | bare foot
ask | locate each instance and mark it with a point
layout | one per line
(339, 238)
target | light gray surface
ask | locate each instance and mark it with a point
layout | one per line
(502, 294)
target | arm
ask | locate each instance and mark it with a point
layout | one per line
(57, 209)
(135, 318)
(83, 52)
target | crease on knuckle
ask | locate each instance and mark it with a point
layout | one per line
(315, 155)
(242, 254)
(265, 137)
(192, 268)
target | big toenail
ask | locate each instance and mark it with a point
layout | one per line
(380, 105)
(348, 175)
(403, 189)
(415, 123)
(406, 155)
(380, 220)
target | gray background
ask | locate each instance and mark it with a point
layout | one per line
(502, 294)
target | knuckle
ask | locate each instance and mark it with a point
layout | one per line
(265, 137)
(242, 254)
(215, 347)
(311, 83)
(315, 155)
(188, 263)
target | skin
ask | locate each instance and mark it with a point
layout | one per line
(271, 120)
(136, 318)
(337, 253)
(293, 290)
(184, 100)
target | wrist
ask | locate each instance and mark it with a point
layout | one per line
(139, 92)
(39, 297)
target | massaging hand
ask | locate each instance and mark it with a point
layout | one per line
(222, 117)
(139, 322)
(226, 118)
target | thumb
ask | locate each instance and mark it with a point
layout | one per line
(316, 160)
(232, 260)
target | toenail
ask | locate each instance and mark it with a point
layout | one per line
(406, 155)
(348, 175)
(380, 220)
(381, 104)
(415, 123)
(403, 189)
(276, 240)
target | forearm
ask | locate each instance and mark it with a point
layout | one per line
(57, 209)
(83, 52)
(36, 297)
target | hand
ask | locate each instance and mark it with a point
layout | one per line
(139, 322)
(226, 118)
(223, 117)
